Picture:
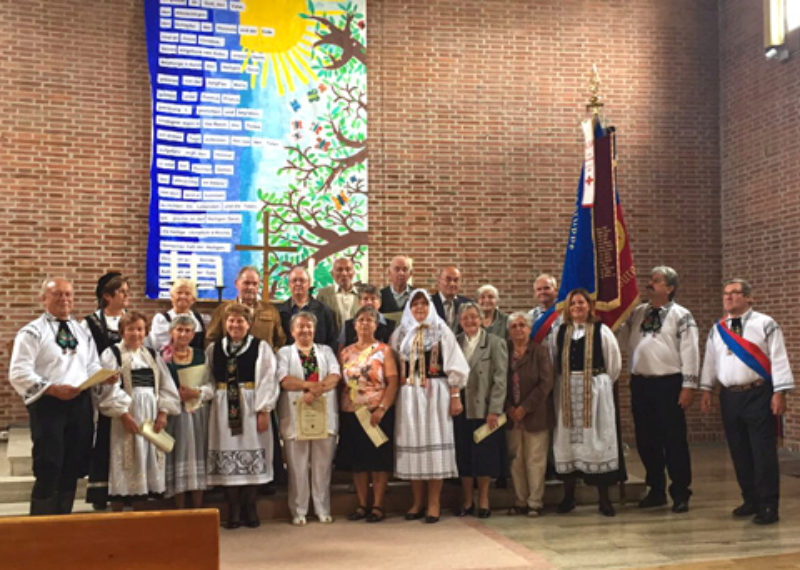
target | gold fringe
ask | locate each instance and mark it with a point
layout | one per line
(566, 373)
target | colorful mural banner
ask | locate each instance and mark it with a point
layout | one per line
(259, 138)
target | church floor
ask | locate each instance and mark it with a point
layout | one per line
(581, 539)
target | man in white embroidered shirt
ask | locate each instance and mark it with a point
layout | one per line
(746, 354)
(662, 341)
(52, 356)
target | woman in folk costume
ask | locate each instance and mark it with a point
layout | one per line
(239, 442)
(433, 372)
(586, 440)
(186, 465)
(113, 297)
(183, 294)
(308, 372)
(146, 393)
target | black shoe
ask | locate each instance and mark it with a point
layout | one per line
(431, 519)
(463, 512)
(766, 515)
(745, 510)
(484, 513)
(606, 509)
(415, 516)
(100, 506)
(653, 499)
(566, 505)
(230, 525)
(376, 515)
(680, 506)
(358, 514)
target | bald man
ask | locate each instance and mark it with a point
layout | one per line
(52, 356)
(341, 297)
(395, 295)
(447, 300)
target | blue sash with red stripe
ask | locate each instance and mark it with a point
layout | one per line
(745, 351)
(541, 328)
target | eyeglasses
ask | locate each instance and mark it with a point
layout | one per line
(732, 293)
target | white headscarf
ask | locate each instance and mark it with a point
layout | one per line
(409, 325)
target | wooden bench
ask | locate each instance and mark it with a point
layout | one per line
(141, 540)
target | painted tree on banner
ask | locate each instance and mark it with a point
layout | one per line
(320, 207)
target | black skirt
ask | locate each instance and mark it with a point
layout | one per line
(484, 459)
(356, 452)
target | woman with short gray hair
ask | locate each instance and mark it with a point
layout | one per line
(186, 465)
(492, 319)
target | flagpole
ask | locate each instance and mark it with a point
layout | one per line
(595, 105)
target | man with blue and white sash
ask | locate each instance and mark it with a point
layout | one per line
(546, 318)
(746, 354)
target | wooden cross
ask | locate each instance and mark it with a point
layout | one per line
(266, 249)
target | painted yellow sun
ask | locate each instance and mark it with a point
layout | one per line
(278, 41)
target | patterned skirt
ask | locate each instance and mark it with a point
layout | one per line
(186, 465)
(424, 444)
(244, 459)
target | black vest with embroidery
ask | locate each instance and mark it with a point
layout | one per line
(577, 347)
(245, 363)
(103, 338)
(199, 339)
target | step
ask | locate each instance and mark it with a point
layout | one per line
(19, 451)
(17, 490)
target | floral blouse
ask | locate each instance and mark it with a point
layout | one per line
(364, 373)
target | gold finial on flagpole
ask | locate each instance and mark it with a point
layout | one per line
(595, 104)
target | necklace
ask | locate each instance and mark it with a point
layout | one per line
(182, 356)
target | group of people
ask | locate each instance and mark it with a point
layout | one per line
(458, 388)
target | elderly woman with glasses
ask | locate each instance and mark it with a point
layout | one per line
(369, 370)
(186, 465)
(483, 397)
(529, 407)
(433, 372)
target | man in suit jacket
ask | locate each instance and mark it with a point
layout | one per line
(447, 300)
(395, 295)
(341, 297)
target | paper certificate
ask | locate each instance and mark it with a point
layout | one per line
(312, 419)
(375, 433)
(161, 440)
(192, 377)
(485, 431)
(97, 378)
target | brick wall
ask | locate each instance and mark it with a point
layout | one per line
(760, 172)
(474, 157)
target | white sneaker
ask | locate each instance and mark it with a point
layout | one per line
(299, 521)
(327, 519)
